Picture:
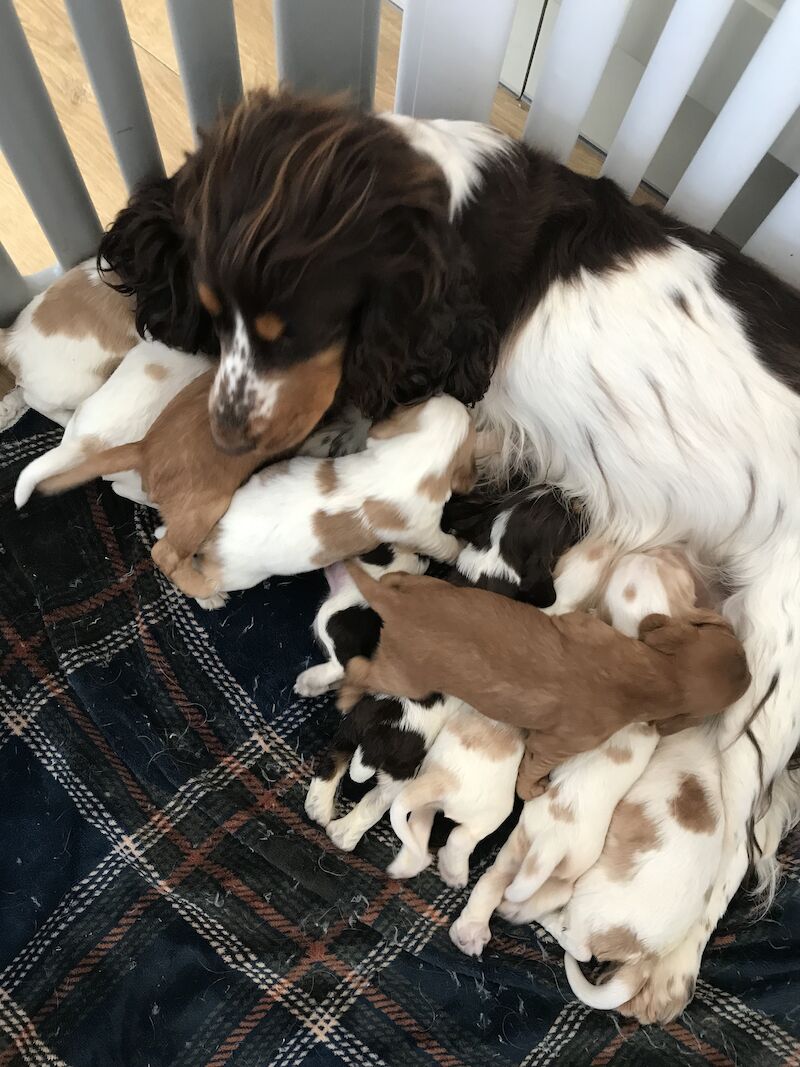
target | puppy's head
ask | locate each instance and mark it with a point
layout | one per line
(319, 229)
(710, 660)
(145, 253)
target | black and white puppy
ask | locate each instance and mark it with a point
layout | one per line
(513, 542)
(380, 735)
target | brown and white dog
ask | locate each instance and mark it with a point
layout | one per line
(647, 368)
(68, 341)
(570, 680)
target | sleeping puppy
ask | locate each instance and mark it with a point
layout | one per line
(68, 341)
(570, 680)
(306, 513)
(122, 410)
(182, 471)
(514, 541)
(470, 774)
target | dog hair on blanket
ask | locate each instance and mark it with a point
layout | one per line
(183, 472)
(570, 680)
(305, 513)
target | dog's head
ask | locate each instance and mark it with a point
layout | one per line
(709, 657)
(314, 237)
(147, 248)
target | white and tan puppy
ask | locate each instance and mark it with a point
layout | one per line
(470, 774)
(120, 411)
(68, 341)
(306, 513)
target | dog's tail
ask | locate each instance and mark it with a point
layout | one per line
(64, 457)
(95, 465)
(425, 791)
(610, 995)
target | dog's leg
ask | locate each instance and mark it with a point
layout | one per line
(578, 575)
(533, 769)
(321, 795)
(756, 737)
(470, 932)
(434, 542)
(553, 895)
(455, 853)
(408, 861)
(319, 679)
(348, 831)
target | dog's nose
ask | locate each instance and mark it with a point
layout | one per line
(230, 437)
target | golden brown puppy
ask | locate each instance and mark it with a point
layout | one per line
(570, 680)
(185, 475)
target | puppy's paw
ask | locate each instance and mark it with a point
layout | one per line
(159, 532)
(316, 680)
(470, 935)
(345, 835)
(320, 801)
(406, 864)
(211, 603)
(455, 874)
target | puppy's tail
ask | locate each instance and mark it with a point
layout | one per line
(109, 461)
(610, 995)
(67, 456)
(425, 791)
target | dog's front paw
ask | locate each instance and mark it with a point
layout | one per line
(454, 873)
(345, 835)
(407, 863)
(317, 680)
(320, 801)
(211, 603)
(471, 936)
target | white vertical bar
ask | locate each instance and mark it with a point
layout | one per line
(760, 105)
(14, 293)
(105, 44)
(451, 54)
(204, 32)
(37, 150)
(776, 242)
(683, 45)
(583, 36)
(328, 46)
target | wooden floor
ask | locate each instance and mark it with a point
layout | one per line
(50, 35)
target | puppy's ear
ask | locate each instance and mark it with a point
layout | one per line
(537, 586)
(665, 634)
(145, 254)
(465, 471)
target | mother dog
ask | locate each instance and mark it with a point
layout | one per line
(634, 361)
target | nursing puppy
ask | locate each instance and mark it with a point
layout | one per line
(68, 341)
(469, 774)
(570, 680)
(182, 471)
(560, 834)
(625, 908)
(514, 541)
(122, 410)
(345, 625)
(306, 513)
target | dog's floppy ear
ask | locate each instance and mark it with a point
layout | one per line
(148, 251)
(465, 471)
(423, 328)
(664, 633)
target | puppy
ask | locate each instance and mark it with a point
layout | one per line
(182, 471)
(345, 625)
(513, 542)
(626, 908)
(68, 341)
(306, 513)
(120, 411)
(470, 774)
(570, 680)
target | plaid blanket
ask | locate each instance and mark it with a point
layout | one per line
(163, 899)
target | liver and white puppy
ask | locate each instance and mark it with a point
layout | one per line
(122, 410)
(470, 774)
(306, 513)
(626, 909)
(513, 541)
(182, 470)
(68, 341)
(570, 680)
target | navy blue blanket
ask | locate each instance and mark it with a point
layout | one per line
(163, 899)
